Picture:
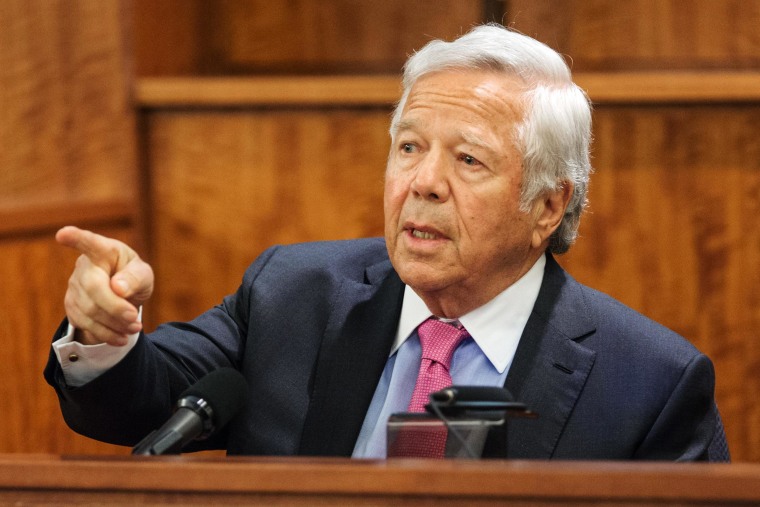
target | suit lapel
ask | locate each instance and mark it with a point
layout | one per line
(354, 350)
(548, 372)
(550, 367)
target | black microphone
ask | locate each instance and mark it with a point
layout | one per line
(482, 395)
(487, 403)
(203, 408)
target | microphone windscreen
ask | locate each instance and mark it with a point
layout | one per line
(225, 390)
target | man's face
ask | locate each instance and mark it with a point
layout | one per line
(453, 226)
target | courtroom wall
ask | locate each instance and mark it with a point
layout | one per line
(67, 155)
(227, 160)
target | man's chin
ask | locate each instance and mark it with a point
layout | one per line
(424, 279)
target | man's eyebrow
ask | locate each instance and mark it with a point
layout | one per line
(475, 140)
(404, 125)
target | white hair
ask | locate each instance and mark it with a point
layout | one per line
(555, 134)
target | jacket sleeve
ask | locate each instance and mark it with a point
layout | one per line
(137, 395)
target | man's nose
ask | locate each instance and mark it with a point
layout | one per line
(431, 177)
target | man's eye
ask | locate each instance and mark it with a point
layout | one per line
(469, 159)
(407, 148)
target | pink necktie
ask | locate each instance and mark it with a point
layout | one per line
(438, 340)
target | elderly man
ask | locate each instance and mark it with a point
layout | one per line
(486, 179)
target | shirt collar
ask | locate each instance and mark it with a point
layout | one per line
(496, 326)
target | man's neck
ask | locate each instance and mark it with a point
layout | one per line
(453, 302)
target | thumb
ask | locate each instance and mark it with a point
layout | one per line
(134, 281)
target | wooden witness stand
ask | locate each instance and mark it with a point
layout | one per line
(187, 480)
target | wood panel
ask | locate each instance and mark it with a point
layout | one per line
(168, 37)
(65, 118)
(608, 35)
(197, 37)
(67, 154)
(166, 480)
(682, 247)
(269, 91)
(34, 272)
(228, 185)
(333, 35)
(384, 90)
(291, 36)
(673, 232)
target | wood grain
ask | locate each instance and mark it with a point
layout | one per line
(66, 124)
(67, 155)
(384, 90)
(46, 219)
(226, 186)
(178, 37)
(35, 271)
(269, 91)
(163, 480)
(607, 35)
(169, 37)
(334, 35)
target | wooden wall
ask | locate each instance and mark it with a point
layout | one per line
(67, 155)
(266, 122)
(227, 37)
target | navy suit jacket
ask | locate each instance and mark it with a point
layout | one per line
(311, 327)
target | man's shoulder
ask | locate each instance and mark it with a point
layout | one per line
(627, 329)
(365, 250)
(342, 258)
(615, 324)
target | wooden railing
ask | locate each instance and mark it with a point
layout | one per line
(300, 481)
(608, 87)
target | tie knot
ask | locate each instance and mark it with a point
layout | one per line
(439, 339)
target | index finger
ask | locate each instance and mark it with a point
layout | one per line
(79, 239)
(102, 251)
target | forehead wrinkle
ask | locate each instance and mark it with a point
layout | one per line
(485, 102)
(490, 99)
(493, 105)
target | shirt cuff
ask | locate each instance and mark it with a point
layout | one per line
(82, 363)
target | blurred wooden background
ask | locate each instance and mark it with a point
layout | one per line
(203, 131)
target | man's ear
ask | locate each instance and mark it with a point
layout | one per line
(549, 210)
